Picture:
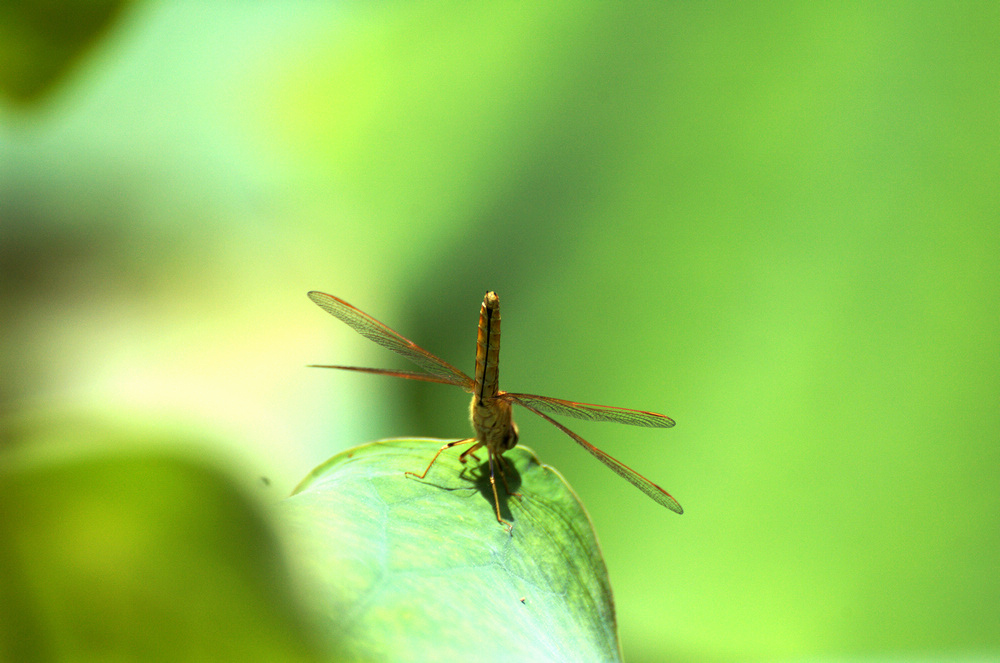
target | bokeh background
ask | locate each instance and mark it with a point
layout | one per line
(778, 224)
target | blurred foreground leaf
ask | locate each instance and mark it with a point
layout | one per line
(140, 557)
(396, 568)
(41, 39)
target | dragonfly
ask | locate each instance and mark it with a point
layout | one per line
(490, 409)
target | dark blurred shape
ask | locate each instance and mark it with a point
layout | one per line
(40, 40)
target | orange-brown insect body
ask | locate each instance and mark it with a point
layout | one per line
(491, 416)
(491, 407)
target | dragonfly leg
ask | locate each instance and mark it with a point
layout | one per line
(493, 484)
(471, 451)
(501, 461)
(439, 452)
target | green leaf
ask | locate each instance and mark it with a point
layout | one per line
(399, 568)
(141, 557)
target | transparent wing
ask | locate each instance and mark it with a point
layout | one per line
(374, 330)
(591, 412)
(407, 375)
(659, 495)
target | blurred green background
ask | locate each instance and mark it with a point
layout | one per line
(778, 224)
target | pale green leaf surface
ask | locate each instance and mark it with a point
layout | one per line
(398, 568)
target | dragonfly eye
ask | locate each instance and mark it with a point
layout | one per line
(511, 440)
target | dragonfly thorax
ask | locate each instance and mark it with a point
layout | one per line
(495, 427)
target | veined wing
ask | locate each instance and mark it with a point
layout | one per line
(591, 412)
(407, 375)
(658, 495)
(374, 330)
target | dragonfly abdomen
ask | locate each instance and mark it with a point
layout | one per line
(488, 349)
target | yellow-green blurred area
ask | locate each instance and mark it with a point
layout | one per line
(778, 224)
